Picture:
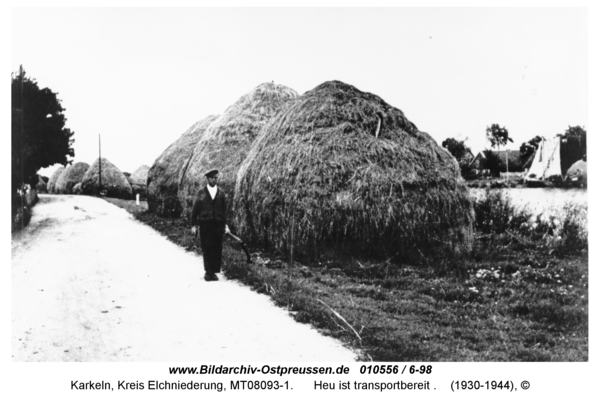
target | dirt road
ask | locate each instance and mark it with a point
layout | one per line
(89, 283)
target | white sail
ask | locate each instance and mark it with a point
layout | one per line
(553, 158)
(546, 162)
(537, 166)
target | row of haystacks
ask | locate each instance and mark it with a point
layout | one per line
(71, 176)
(82, 178)
(351, 173)
(114, 182)
(355, 176)
(167, 171)
(228, 139)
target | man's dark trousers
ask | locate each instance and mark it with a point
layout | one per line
(211, 241)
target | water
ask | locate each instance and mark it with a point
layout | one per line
(549, 202)
(539, 199)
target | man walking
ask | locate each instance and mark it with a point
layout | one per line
(209, 213)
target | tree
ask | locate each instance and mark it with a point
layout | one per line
(529, 148)
(39, 136)
(497, 136)
(573, 147)
(459, 151)
(457, 148)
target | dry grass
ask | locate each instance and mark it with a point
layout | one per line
(228, 140)
(355, 176)
(165, 174)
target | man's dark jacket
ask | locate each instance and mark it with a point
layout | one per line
(207, 209)
(210, 215)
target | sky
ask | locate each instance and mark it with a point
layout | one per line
(140, 77)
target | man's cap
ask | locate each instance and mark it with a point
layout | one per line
(211, 173)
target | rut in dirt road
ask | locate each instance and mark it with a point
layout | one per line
(89, 283)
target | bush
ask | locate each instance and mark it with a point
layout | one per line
(467, 171)
(21, 204)
(494, 213)
(573, 232)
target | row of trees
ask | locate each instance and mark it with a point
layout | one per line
(39, 136)
(573, 148)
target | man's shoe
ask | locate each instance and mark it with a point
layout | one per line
(210, 276)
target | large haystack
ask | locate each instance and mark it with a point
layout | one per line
(229, 138)
(71, 176)
(357, 178)
(165, 174)
(50, 187)
(113, 181)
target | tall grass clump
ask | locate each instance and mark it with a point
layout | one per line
(353, 177)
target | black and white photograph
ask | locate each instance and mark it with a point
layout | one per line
(400, 191)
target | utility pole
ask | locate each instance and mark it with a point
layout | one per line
(100, 165)
(507, 166)
(21, 77)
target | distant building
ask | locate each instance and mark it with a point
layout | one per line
(515, 165)
(477, 162)
(467, 157)
(514, 160)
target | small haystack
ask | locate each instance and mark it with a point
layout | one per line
(140, 175)
(577, 172)
(77, 189)
(41, 186)
(137, 180)
(164, 176)
(356, 178)
(113, 181)
(71, 176)
(229, 138)
(53, 178)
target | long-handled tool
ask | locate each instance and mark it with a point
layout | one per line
(242, 244)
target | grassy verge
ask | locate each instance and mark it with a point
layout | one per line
(522, 295)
